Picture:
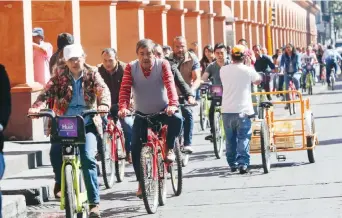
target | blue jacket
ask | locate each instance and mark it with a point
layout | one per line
(285, 62)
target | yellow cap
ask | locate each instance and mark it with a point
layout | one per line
(238, 50)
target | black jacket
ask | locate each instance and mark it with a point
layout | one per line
(5, 102)
(179, 80)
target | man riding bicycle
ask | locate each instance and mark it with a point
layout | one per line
(264, 64)
(154, 91)
(112, 71)
(330, 59)
(75, 88)
(213, 72)
(179, 80)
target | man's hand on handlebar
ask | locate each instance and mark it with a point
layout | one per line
(103, 109)
(170, 110)
(191, 100)
(124, 112)
(34, 111)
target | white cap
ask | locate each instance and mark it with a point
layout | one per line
(72, 51)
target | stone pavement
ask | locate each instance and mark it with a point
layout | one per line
(293, 188)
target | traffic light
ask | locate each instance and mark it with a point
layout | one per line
(273, 16)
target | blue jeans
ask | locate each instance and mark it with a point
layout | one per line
(2, 170)
(188, 125)
(238, 135)
(295, 79)
(330, 65)
(139, 135)
(89, 168)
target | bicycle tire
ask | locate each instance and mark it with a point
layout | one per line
(177, 184)
(120, 165)
(107, 163)
(184, 156)
(265, 147)
(202, 115)
(310, 140)
(69, 194)
(217, 135)
(162, 176)
(85, 205)
(151, 207)
(294, 97)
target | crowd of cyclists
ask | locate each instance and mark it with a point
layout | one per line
(153, 83)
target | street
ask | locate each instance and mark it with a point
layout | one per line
(294, 188)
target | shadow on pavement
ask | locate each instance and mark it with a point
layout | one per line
(122, 211)
(325, 117)
(330, 142)
(329, 93)
(123, 196)
(328, 103)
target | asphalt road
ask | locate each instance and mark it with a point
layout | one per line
(293, 188)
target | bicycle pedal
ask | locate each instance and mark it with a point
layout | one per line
(281, 158)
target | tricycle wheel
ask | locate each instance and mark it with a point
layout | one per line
(265, 147)
(310, 141)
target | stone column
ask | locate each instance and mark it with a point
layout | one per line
(175, 24)
(239, 30)
(130, 23)
(193, 29)
(255, 34)
(207, 21)
(220, 32)
(262, 37)
(98, 33)
(156, 23)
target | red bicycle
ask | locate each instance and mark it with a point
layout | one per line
(113, 153)
(154, 168)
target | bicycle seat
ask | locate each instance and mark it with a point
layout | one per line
(266, 104)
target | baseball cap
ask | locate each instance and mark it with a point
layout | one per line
(72, 51)
(38, 31)
(238, 50)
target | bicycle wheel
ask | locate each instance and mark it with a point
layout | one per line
(217, 135)
(85, 205)
(310, 81)
(265, 147)
(148, 182)
(162, 176)
(332, 79)
(310, 141)
(294, 97)
(203, 119)
(176, 171)
(107, 162)
(120, 164)
(69, 193)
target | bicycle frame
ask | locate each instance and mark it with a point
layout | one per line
(114, 130)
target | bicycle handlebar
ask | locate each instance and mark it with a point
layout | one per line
(50, 113)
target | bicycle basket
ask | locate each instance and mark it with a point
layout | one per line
(68, 130)
(216, 94)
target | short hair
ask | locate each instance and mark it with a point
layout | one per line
(238, 58)
(257, 45)
(145, 43)
(219, 46)
(329, 47)
(242, 40)
(108, 51)
(64, 39)
(179, 38)
(166, 47)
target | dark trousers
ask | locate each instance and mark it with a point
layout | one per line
(139, 135)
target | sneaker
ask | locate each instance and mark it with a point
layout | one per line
(243, 169)
(233, 169)
(170, 156)
(287, 106)
(94, 211)
(209, 137)
(188, 149)
(57, 190)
